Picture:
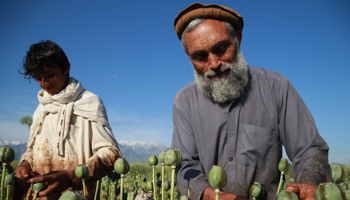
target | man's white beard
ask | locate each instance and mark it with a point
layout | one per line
(227, 88)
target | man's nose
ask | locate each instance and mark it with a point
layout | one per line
(214, 61)
(45, 81)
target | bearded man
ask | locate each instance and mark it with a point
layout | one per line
(70, 127)
(239, 116)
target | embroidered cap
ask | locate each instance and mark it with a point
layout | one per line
(211, 11)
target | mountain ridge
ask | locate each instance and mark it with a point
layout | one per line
(133, 151)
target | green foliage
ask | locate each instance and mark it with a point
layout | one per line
(133, 181)
(26, 120)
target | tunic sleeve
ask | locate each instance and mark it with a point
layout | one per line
(298, 133)
(105, 152)
(28, 156)
(190, 173)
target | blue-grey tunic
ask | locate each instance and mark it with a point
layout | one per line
(246, 137)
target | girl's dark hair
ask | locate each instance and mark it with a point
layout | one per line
(41, 56)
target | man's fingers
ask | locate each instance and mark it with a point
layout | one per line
(22, 174)
(294, 187)
(41, 179)
(48, 189)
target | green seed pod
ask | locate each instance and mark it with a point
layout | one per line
(8, 179)
(184, 197)
(283, 165)
(172, 157)
(121, 166)
(37, 187)
(166, 185)
(72, 195)
(131, 196)
(161, 156)
(140, 191)
(329, 191)
(159, 183)
(7, 154)
(347, 194)
(217, 177)
(82, 171)
(287, 195)
(256, 190)
(149, 185)
(338, 173)
(291, 180)
(153, 161)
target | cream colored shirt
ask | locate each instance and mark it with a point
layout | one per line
(88, 142)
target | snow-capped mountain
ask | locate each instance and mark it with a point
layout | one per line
(140, 151)
(134, 152)
(137, 145)
(7, 143)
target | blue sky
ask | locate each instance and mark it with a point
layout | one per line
(127, 53)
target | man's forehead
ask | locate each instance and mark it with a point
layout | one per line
(208, 30)
(45, 71)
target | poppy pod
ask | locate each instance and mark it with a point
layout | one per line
(217, 177)
(7, 154)
(149, 185)
(287, 195)
(338, 173)
(153, 161)
(172, 157)
(283, 165)
(82, 171)
(121, 166)
(256, 190)
(8, 179)
(37, 187)
(166, 185)
(329, 191)
(72, 195)
(161, 156)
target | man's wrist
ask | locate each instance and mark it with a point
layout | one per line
(26, 164)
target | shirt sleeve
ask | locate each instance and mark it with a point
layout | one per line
(105, 153)
(303, 144)
(27, 156)
(190, 173)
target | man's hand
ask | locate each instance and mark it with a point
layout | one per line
(57, 182)
(23, 170)
(209, 194)
(303, 190)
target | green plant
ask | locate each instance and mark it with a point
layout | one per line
(256, 190)
(329, 191)
(82, 172)
(37, 187)
(217, 179)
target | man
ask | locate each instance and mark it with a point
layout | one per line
(70, 127)
(239, 116)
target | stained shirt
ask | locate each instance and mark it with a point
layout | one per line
(88, 142)
(246, 137)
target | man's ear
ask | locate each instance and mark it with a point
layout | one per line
(239, 36)
(67, 69)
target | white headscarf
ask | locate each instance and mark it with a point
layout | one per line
(67, 102)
